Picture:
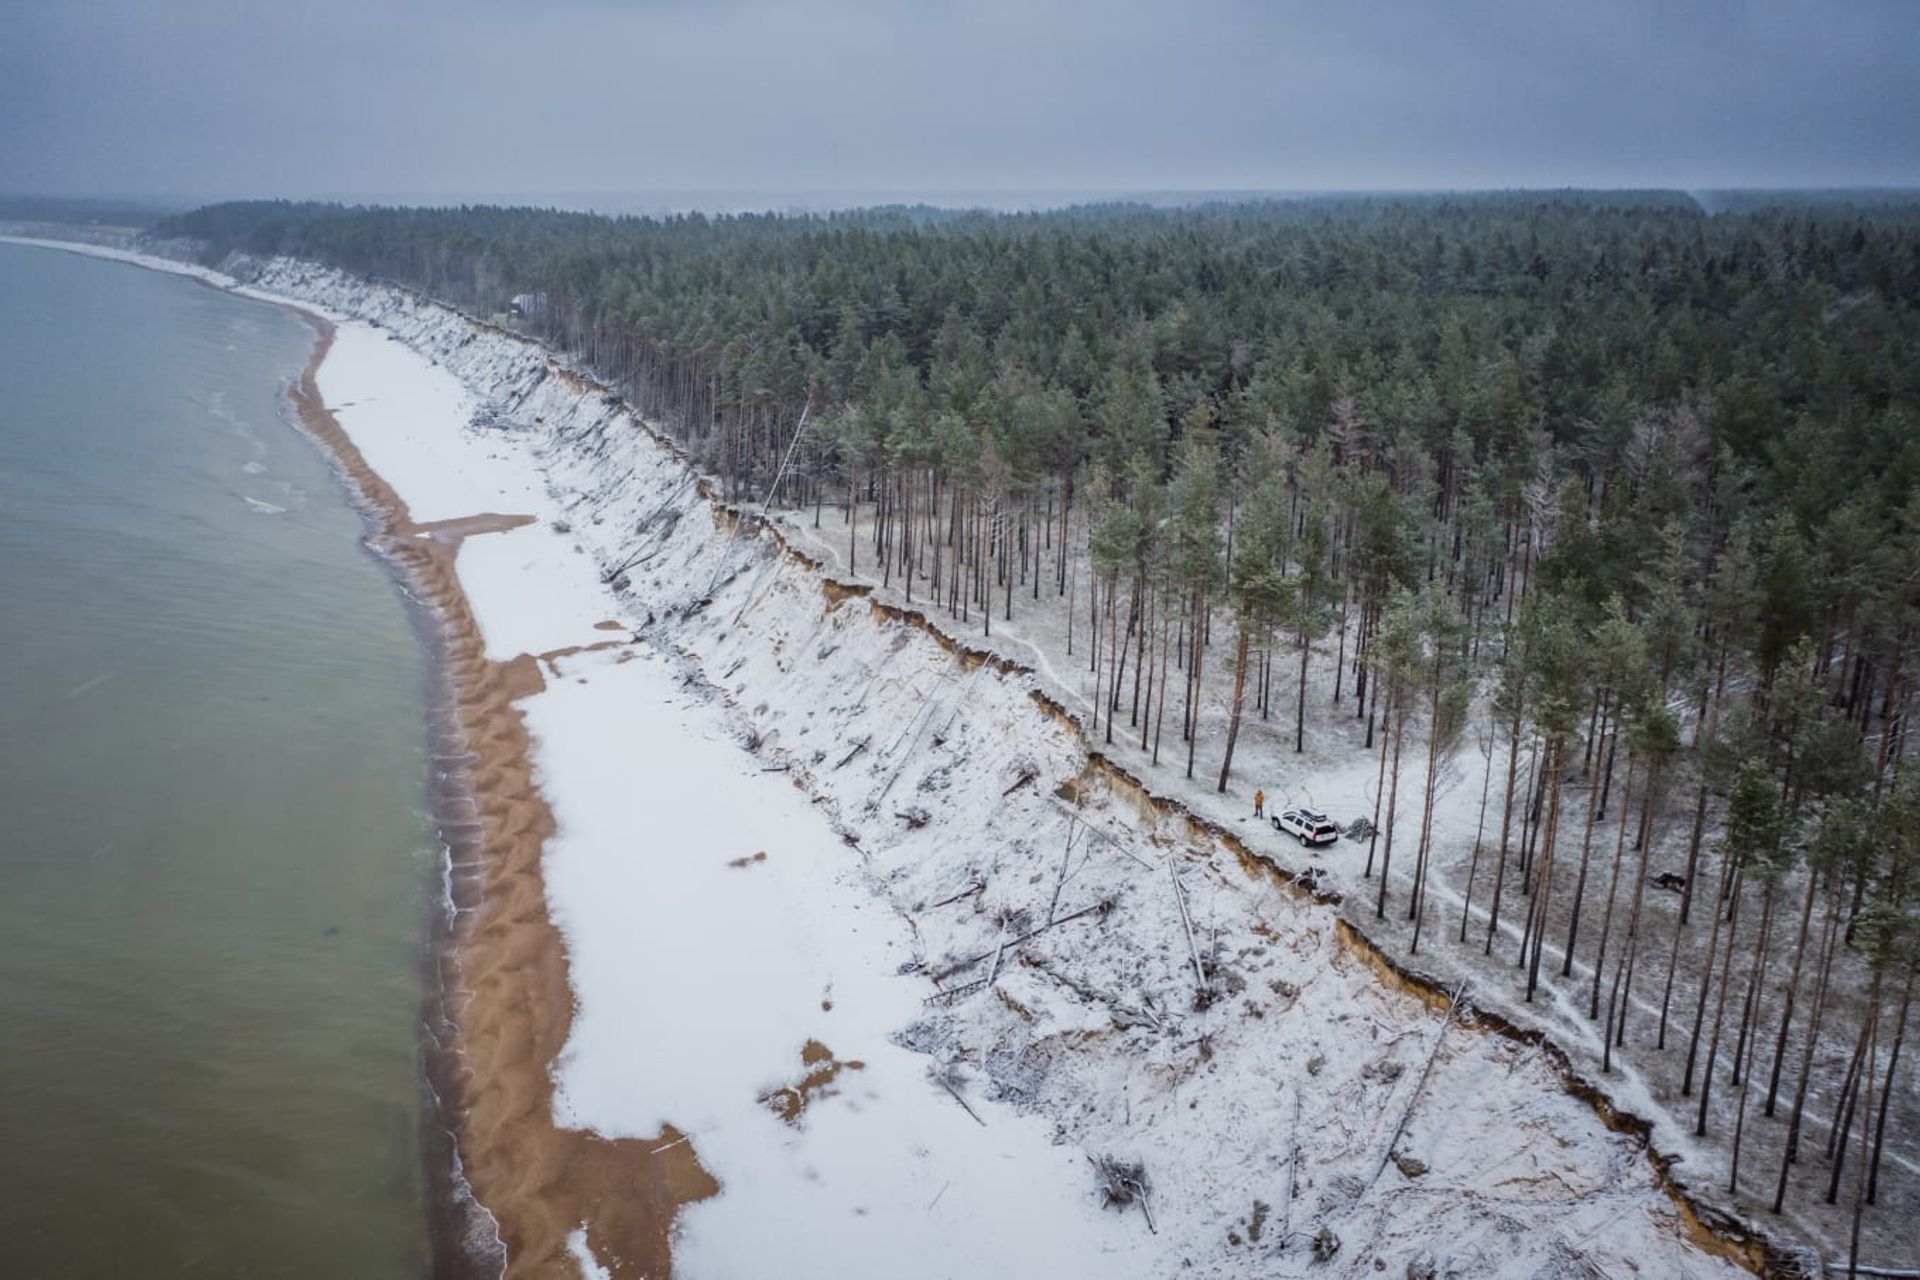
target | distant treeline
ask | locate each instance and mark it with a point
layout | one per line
(137, 214)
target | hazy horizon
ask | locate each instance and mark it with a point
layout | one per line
(106, 209)
(587, 101)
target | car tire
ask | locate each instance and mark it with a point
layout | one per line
(1306, 842)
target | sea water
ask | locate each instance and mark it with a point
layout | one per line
(215, 860)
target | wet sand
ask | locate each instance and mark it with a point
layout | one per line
(505, 1004)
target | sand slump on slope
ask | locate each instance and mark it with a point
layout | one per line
(504, 966)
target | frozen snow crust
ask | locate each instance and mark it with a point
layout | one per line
(1096, 974)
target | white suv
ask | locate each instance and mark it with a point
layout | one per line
(1312, 828)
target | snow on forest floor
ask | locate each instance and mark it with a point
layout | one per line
(1012, 941)
(1337, 773)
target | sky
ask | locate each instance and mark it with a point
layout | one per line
(605, 101)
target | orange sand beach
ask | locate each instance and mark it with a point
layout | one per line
(504, 967)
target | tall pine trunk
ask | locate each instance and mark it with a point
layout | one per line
(1790, 1151)
(1506, 830)
(1418, 908)
(1793, 991)
(1198, 689)
(1743, 1052)
(1239, 701)
(1398, 716)
(1613, 888)
(1543, 880)
(1720, 1005)
(1886, 1094)
(1580, 883)
(1300, 702)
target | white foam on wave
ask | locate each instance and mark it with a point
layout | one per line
(481, 1239)
(86, 687)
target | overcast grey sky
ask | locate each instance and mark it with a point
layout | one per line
(439, 98)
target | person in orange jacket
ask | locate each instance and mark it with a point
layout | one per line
(1259, 803)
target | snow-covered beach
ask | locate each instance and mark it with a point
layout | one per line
(967, 967)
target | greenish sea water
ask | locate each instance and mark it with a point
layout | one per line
(216, 865)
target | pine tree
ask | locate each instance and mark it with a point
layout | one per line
(1656, 736)
(1619, 677)
(1558, 659)
(1194, 553)
(1305, 610)
(1748, 847)
(1441, 680)
(1511, 706)
(1396, 657)
(1261, 589)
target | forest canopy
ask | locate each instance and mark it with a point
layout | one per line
(1453, 324)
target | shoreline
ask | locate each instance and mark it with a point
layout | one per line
(502, 1007)
(457, 1222)
(498, 1004)
(462, 1235)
